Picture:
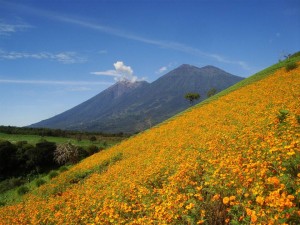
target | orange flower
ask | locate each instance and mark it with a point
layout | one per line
(260, 200)
(225, 200)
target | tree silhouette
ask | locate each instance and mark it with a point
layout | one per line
(211, 92)
(191, 97)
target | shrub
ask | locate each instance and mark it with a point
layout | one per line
(66, 153)
(93, 139)
(52, 174)
(92, 149)
(63, 169)
(282, 115)
(298, 118)
(290, 66)
(10, 184)
(39, 182)
(211, 92)
(22, 190)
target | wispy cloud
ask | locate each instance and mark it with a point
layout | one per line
(62, 57)
(124, 34)
(221, 59)
(164, 68)
(54, 82)
(7, 29)
(162, 44)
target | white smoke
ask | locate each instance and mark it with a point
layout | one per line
(121, 72)
(125, 73)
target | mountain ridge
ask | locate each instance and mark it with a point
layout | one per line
(131, 107)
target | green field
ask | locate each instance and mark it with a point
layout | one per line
(33, 139)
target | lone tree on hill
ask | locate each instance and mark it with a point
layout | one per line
(211, 92)
(191, 97)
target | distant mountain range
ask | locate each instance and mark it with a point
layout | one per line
(132, 107)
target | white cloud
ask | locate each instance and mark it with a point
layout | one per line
(162, 69)
(222, 59)
(122, 69)
(120, 73)
(8, 28)
(112, 73)
(62, 57)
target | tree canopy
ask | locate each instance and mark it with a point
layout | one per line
(191, 97)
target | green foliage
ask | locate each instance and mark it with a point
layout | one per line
(92, 149)
(11, 183)
(77, 177)
(22, 190)
(39, 182)
(191, 97)
(298, 118)
(7, 158)
(63, 169)
(297, 54)
(291, 65)
(52, 174)
(93, 139)
(282, 115)
(211, 92)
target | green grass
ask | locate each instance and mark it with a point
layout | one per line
(12, 196)
(33, 139)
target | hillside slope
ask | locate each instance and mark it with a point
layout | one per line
(233, 160)
(133, 107)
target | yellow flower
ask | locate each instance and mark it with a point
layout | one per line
(225, 200)
(189, 206)
(260, 200)
(215, 197)
(253, 218)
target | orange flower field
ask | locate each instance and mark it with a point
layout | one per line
(233, 160)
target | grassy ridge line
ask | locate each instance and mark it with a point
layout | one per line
(250, 80)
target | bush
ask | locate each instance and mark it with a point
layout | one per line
(39, 182)
(22, 190)
(290, 66)
(282, 115)
(298, 118)
(93, 139)
(52, 174)
(92, 149)
(10, 184)
(63, 169)
(66, 153)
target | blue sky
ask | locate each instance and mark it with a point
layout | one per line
(55, 54)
